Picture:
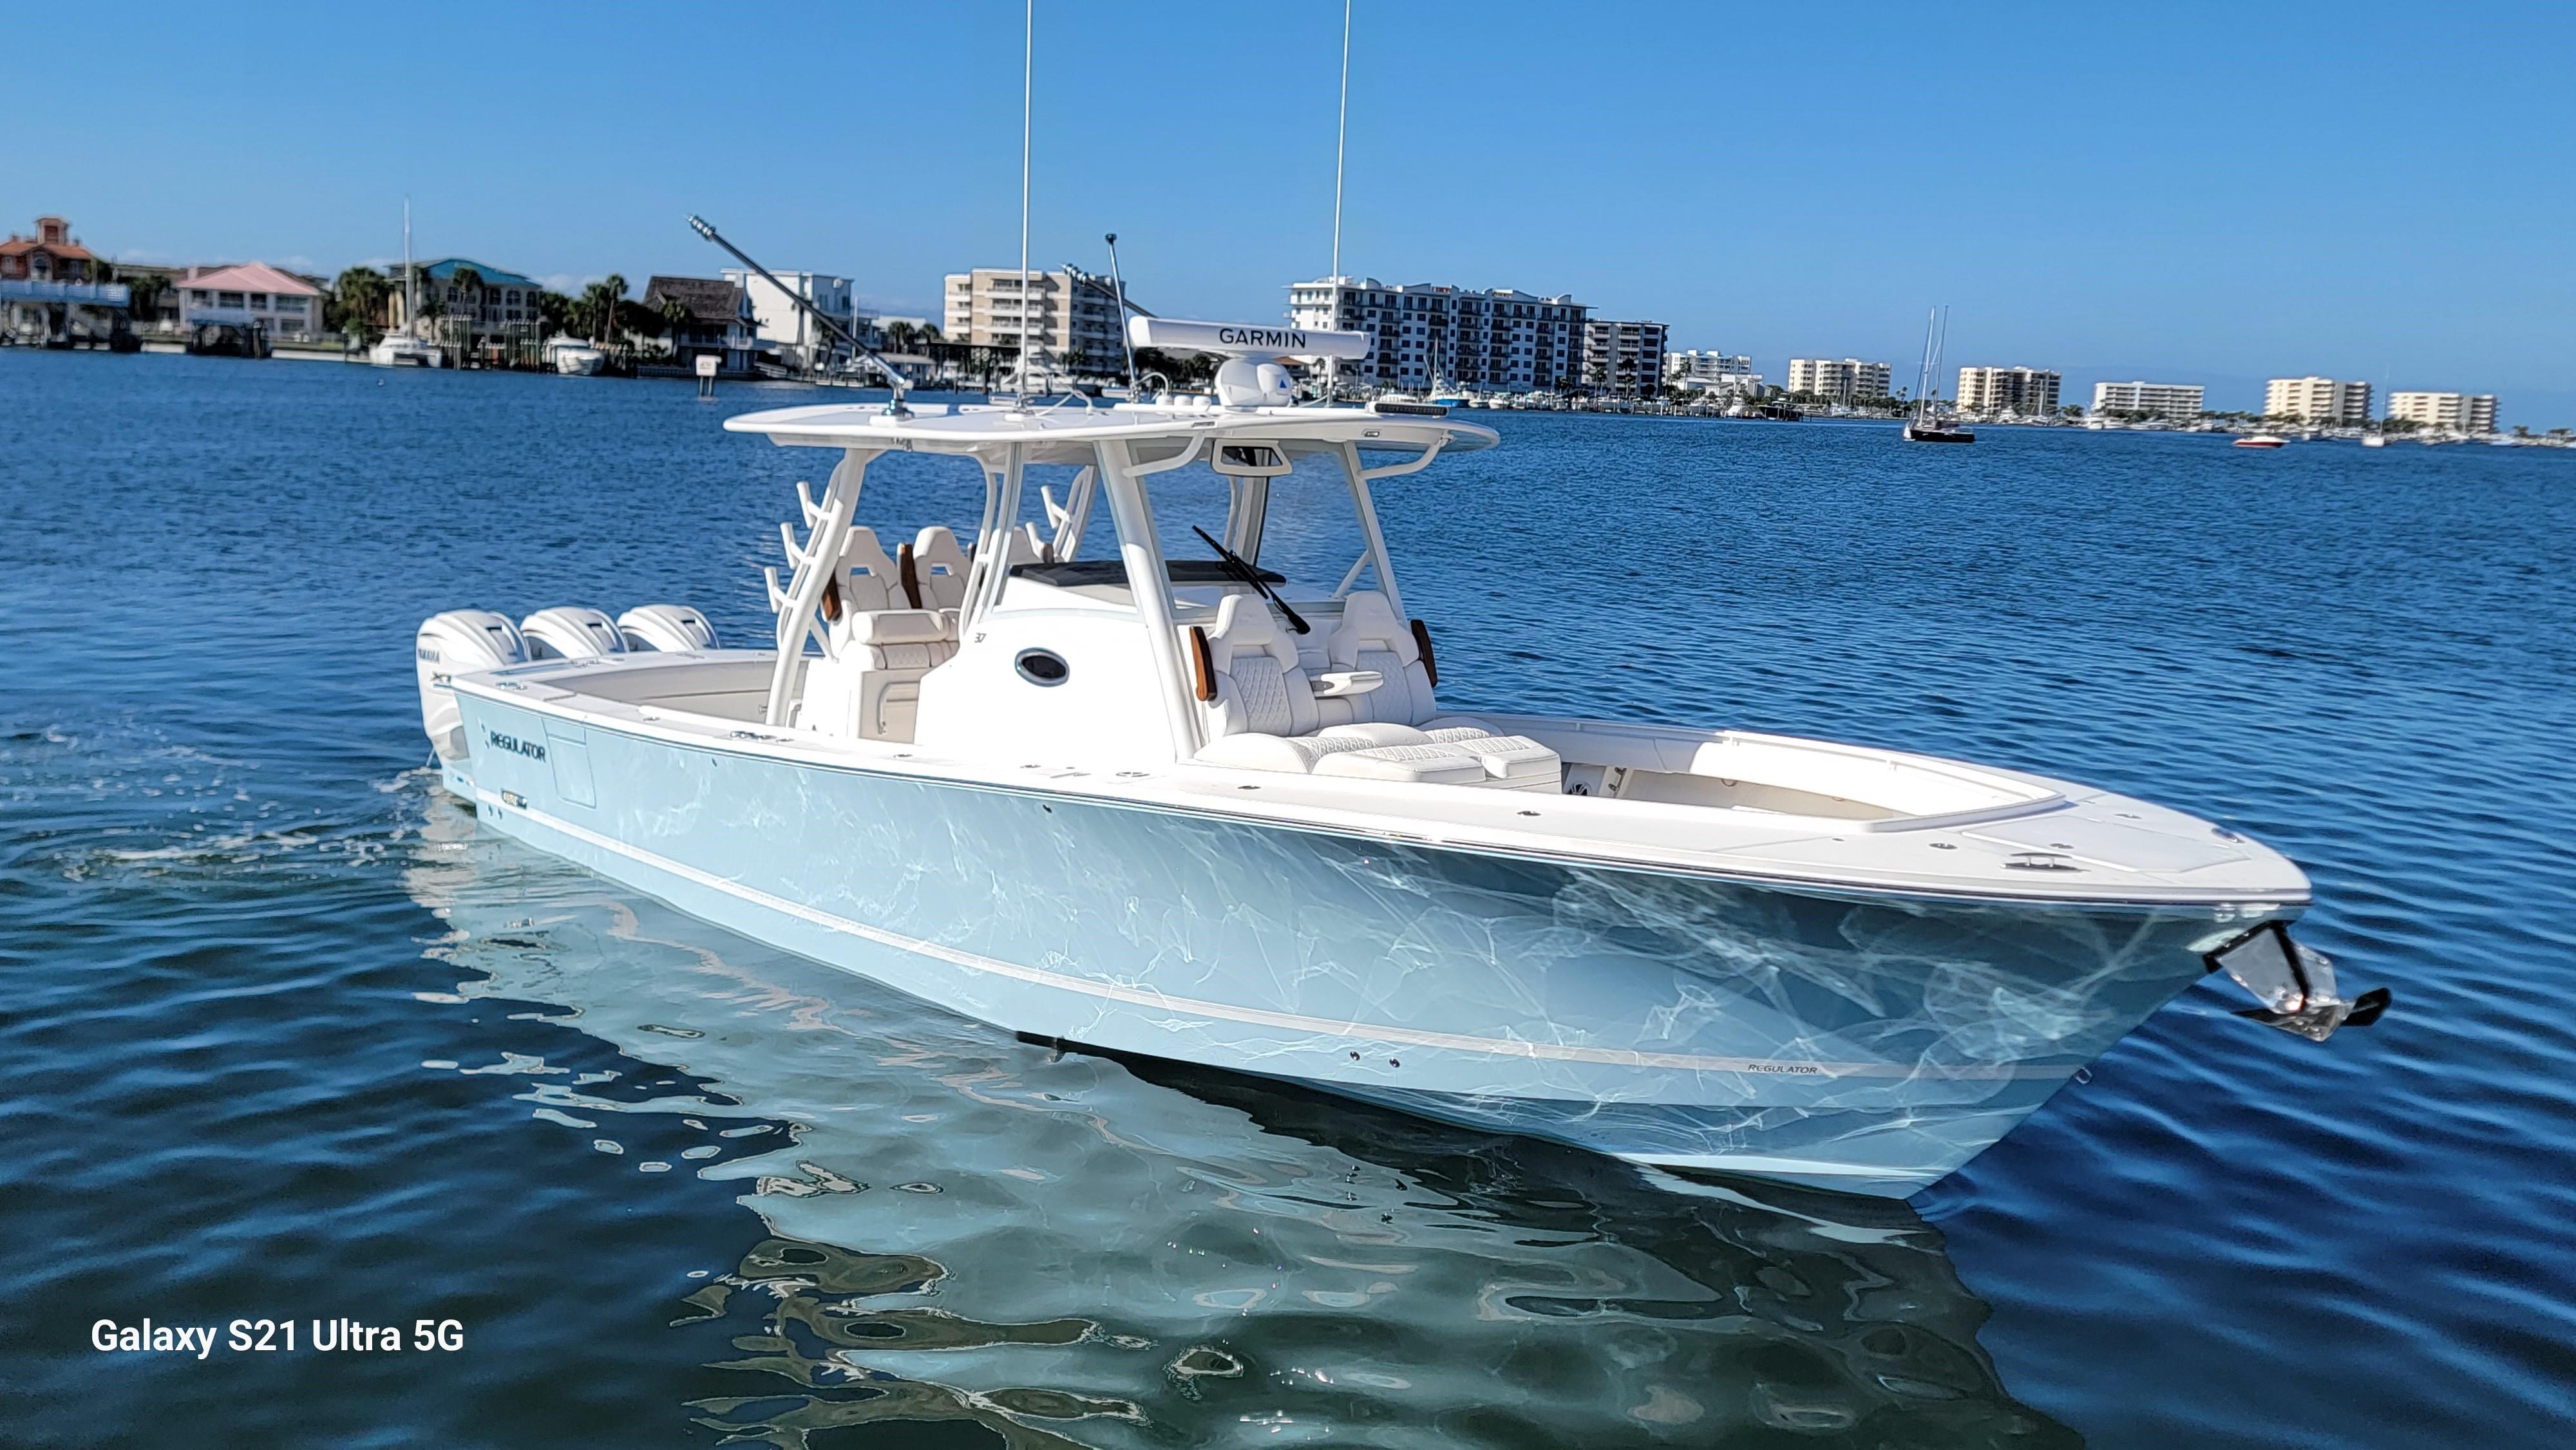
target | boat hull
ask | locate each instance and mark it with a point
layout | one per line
(1867, 1044)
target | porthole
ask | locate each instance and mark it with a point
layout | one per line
(1041, 667)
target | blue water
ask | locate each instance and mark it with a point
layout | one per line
(284, 1037)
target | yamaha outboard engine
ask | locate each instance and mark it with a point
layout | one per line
(570, 632)
(670, 627)
(459, 642)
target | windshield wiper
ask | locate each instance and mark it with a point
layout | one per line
(1236, 564)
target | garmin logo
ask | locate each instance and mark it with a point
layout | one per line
(1276, 339)
(514, 745)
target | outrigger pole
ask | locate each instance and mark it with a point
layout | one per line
(894, 377)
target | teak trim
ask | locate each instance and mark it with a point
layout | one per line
(1203, 664)
(909, 572)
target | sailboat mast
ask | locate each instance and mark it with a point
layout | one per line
(411, 278)
(1923, 374)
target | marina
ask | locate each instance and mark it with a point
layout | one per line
(381, 981)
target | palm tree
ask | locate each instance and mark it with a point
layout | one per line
(675, 315)
(600, 301)
(145, 289)
(359, 293)
(557, 311)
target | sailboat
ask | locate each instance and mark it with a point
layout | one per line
(1927, 426)
(404, 348)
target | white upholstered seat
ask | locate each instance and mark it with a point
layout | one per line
(871, 688)
(1370, 637)
(939, 569)
(1264, 715)
(867, 577)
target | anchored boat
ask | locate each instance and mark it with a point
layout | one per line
(1177, 783)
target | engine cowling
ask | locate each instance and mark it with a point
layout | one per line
(570, 632)
(459, 642)
(665, 627)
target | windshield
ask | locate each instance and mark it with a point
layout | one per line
(1309, 533)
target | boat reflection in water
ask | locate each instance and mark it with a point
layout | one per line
(960, 1228)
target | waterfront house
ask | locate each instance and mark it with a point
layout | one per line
(281, 305)
(51, 255)
(718, 319)
(493, 302)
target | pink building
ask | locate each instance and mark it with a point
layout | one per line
(279, 303)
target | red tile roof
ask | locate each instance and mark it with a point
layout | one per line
(68, 251)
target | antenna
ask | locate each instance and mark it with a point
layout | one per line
(1341, 136)
(894, 376)
(1028, 73)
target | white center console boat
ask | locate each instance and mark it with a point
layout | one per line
(1113, 781)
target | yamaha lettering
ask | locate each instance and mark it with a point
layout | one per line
(514, 745)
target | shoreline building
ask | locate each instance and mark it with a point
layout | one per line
(1422, 333)
(783, 328)
(2028, 392)
(53, 254)
(1840, 380)
(498, 301)
(2317, 400)
(1626, 358)
(251, 294)
(1070, 322)
(2179, 401)
(719, 322)
(2447, 412)
(56, 292)
(1699, 371)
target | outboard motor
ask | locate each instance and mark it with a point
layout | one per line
(570, 632)
(665, 627)
(459, 642)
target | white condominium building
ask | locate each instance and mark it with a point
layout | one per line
(2450, 412)
(2164, 400)
(2316, 400)
(1422, 333)
(1713, 372)
(2029, 392)
(1071, 323)
(1624, 358)
(1839, 380)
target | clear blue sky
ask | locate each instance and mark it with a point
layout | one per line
(2187, 193)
